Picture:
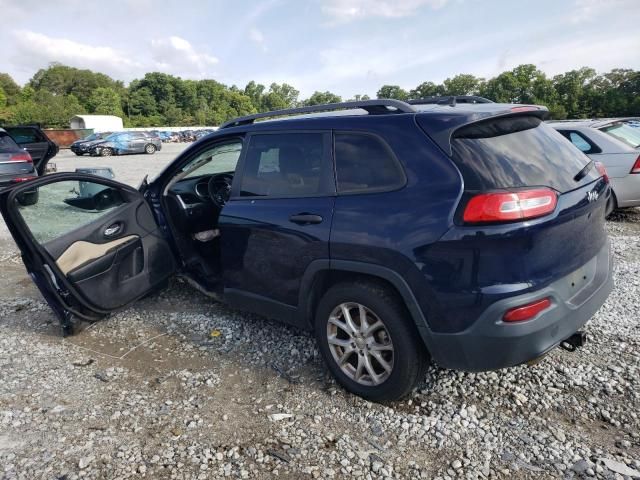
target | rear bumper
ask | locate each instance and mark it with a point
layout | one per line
(490, 344)
(627, 190)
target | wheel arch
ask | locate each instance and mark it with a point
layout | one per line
(322, 274)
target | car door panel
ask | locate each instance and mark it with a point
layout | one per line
(102, 259)
(264, 252)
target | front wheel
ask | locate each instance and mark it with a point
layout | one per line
(369, 342)
(106, 152)
(150, 148)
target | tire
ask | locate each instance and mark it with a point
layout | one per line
(406, 360)
(612, 205)
(28, 198)
(79, 153)
(106, 152)
(150, 148)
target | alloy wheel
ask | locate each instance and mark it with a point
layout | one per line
(360, 344)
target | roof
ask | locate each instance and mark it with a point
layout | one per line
(441, 119)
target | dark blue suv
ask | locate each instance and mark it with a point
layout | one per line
(471, 235)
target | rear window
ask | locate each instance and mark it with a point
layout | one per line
(364, 163)
(517, 152)
(624, 133)
(7, 144)
(24, 135)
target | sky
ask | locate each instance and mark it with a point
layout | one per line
(348, 47)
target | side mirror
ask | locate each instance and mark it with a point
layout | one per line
(106, 198)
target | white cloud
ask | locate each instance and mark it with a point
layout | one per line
(176, 55)
(35, 50)
(342, 11)
(257, 37)
(590, 10)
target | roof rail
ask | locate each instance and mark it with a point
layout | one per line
(373, 107)
(449, 100)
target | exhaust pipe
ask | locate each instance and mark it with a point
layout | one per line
(576, 340)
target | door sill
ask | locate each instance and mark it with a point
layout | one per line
(214, 293)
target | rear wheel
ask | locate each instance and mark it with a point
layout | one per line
(369, 341)
(150, 148)
(106, 152)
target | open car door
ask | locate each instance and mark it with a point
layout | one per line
(90, 244)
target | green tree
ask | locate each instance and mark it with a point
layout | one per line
(105, 101)
(426, 89)
(320, 98)
(63, 80)
(462, 84)
(392, 91)
(10, 87)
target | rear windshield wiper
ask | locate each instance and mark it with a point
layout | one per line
(583, 173)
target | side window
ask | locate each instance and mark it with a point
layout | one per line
(56, 209)
(364, 163)
(287, 165)
(579, 141)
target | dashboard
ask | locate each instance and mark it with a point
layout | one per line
(192, 208)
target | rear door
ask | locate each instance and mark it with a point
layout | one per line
(278, 219)
(39, 146)
(90, 244)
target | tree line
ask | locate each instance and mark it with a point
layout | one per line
(58, 92)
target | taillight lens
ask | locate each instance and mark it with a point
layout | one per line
(602, 171)
(636, 166)
(509, 206)
(21, 179)
(527, 311)
(21, 157)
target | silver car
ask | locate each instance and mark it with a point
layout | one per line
(617, 146)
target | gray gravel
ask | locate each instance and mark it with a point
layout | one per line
(180, 387)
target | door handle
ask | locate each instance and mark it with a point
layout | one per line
(112, 230)
(305, 218)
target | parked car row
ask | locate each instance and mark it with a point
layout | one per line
(182, 136)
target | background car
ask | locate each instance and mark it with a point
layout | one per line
(82, 146)
(35, 141)
(122, 143)
(16, 165)
(616, 145)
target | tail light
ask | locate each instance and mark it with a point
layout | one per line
(509, 206)
(636, 166)
(21, 157)
(527, 311)
(21, 179)
(603, 171)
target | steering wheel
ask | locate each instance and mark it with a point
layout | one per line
(220, 189)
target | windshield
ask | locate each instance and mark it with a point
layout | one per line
(624, 133)
(93, 136)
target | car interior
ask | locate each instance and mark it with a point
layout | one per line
(193, 200)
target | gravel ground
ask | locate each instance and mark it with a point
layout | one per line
(180, 387)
